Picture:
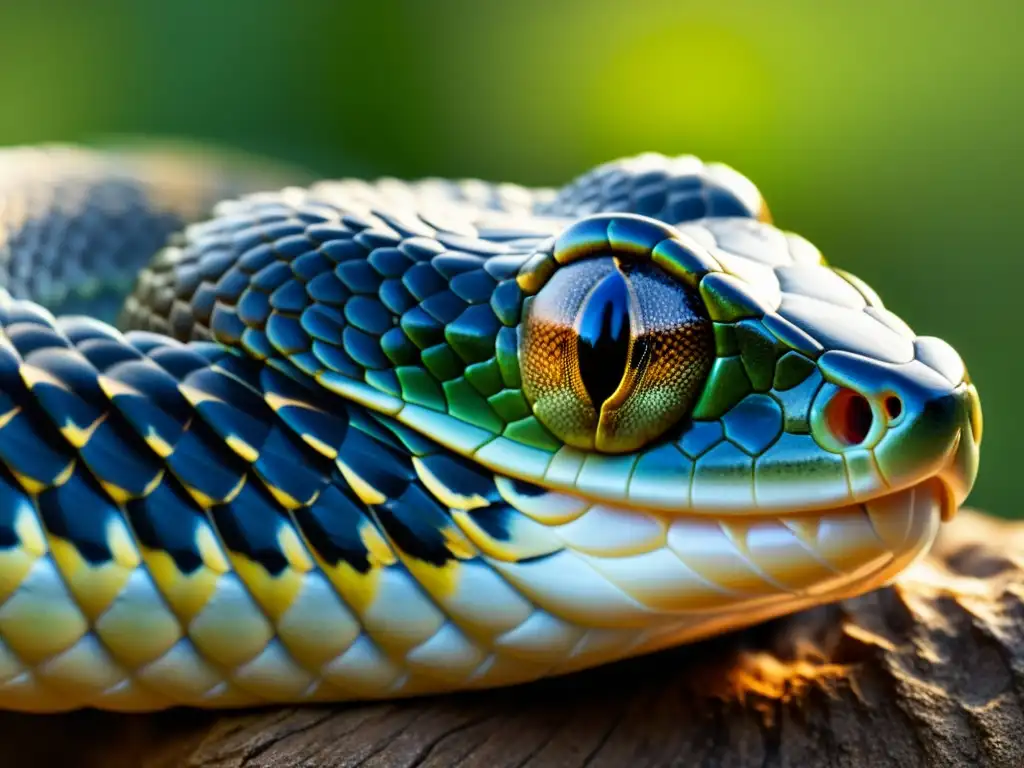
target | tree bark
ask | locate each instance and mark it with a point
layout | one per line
(929, 672)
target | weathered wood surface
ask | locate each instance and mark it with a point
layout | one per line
(926, 673)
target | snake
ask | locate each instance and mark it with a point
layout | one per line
(269, 441)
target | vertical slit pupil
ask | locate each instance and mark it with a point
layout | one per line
(604, 332)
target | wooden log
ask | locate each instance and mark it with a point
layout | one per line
(928, 672)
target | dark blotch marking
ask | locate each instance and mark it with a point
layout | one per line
(78, 511)
(494, 520)
(332, 526)
(12, 500)
(249, 526)
(524, 488)
(414, 522)
(166, 520)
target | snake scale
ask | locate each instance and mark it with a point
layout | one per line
(354, 440)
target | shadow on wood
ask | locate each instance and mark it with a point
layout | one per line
(929, 672)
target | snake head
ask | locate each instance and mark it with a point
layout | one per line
(767, 380)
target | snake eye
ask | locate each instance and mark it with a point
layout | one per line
(613, 352)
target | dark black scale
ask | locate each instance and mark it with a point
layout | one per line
(722, 202)
(307, 362)
(147, 341)
(145, 414)
(293, 245)
(202, 303)
(460, 476)
(291, 466)
(386, 470)
(401, 437)
(167, 519)
(324, 233)
(257, 344)
(474, 287)
(158, 391)
(201, 461)
(604, 332)
(113, 452)
(79, 329)
(272, 276)
(13, 501)
(452, 263)
(358, 276)
(239, 412)
(188, 279)
(310, 264)
(524, 488)
(413, 521)
(423, 281)
(507, 302)
(422, 329)
(324, 323)
(10, 372)
(30, 445)
(120, 456)
(327, 427)
(286, 334)
(332, 525)
(395, 297)
(327, 288)
(225, 324)
(343, 251)
(399, 348)
(616, 187)
(24, 312)
(495, 520)
(375, 240)
(29, 337)
(356, 223)
(382, 429)
(313, 214)
(231, 285)
(254, 259)
(104, 354)
(421, 249)
(74, 370)
(331, 356)
(279, 230)
(367, 314)
(385, 380)
(180, 360)
(388, 262)
(79, 511)
(687, 207)
(363, 348)
(472, 333)
(213, 263)
(444, 306)
(249, 525)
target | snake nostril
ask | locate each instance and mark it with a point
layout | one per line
(849, 417)
(893, 406)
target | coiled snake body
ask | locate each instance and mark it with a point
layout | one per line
(370, 440)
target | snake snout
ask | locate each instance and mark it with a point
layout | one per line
(905, 423)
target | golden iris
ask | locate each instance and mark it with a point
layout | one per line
(613, 352)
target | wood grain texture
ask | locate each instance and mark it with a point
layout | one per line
(929, 672)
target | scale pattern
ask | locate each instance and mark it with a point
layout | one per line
(272, 485)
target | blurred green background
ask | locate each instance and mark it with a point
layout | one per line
(889, 133)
